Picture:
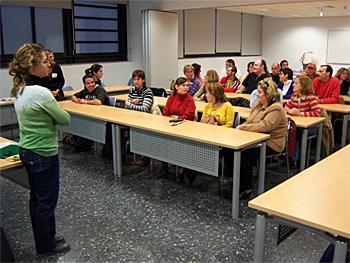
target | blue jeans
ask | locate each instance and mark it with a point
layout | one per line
(43, 177)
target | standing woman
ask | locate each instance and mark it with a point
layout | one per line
(38, 113)
(55, 80)
(96, 70)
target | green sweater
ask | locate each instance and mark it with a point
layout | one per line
(38, 113)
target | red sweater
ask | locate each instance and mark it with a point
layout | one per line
(307, 105)
(327, 92)
(180, 105)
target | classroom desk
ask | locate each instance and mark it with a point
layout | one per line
(192, 145)
(110, 90)
(304, 123)
(316, 199)
(237, 95)
(4, 164)
(346, 98)
(342, 109)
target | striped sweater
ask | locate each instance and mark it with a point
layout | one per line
(144, 98)
(38, 114)
(307, 105)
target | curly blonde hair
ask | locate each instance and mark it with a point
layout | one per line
(270, 89)
(26, 57)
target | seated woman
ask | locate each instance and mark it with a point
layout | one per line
(96, 70)
(140, 98)
(179, 106)
(93, 95)
(193, 81)
(211, 76)
(55, 80)
(217, 107)
(268, 117)
(304, 103)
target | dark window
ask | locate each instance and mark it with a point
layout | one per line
(89, 32)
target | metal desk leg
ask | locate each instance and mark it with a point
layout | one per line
(319, 141)
(344, 129)
(117, 153)
(259, 249)
(235, 186)
(262, 160)
(303, 149)
(340, 249)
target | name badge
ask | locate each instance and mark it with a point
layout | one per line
(54, 75)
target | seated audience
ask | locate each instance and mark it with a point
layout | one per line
(275, 73)
(343, 77)
(140, 97)
(327, 88)
(284, 64)
(179, 106)
(193, 81)
(250, 67)
(254, 97)
(302, 103)
(211, 76)
(230, 82)
(286, 82)
(268, 117)
(55, 80)
(96, 70)
(218, 107)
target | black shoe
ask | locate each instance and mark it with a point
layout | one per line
(60, 239)
(60, 247)
(245, 194)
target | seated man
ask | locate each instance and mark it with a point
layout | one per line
(275, 73)
(310, 71)
(229, 64)
(250, 83)
(94, 95)
(286, 83)
(230, 82)
(327, 88)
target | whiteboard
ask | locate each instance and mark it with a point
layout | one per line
(338, 47)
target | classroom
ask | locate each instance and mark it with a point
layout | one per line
(140, 187)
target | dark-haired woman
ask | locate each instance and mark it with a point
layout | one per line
(38, 114)
(96, 70)
(179, 106)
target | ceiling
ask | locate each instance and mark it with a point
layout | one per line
(294, 9)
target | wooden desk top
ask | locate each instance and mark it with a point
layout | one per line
(4, 164)
(237, 95)
(317, 197)
(195, 131)
(109, 89)
(7, 102)
(346, 98)
(341, 108)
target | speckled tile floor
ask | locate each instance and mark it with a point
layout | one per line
(140, 219)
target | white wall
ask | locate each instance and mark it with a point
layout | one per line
(114, 73)
(290, 38)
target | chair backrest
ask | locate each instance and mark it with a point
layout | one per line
(112, 100)
(159, 92)
(291, 138)
(237, 120)
(66, 88)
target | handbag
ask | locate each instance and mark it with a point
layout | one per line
(209, 119)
